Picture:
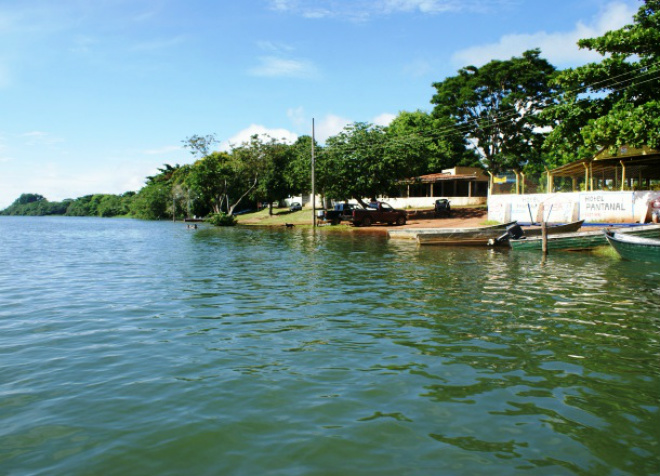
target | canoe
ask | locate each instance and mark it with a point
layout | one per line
(634, 248)
(462, 236)
(553, 229)
(583, 240)
(516, 232)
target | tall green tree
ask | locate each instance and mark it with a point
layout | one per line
(274, 184)
(299, 168)
(362, 162)
(496, 108)
(152, 202)
(616, 101)
(432, 141)
(211, 179)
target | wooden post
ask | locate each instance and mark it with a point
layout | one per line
(586, 177)
(544, 231)
(313, 182)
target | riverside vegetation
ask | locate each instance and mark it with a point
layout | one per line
(519, 115)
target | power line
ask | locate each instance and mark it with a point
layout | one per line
(503, 118)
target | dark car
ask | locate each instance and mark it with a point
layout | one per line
(378, 212)
(295, 206)
(442, 208)
(341, 211)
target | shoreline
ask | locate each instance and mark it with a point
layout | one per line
(460, 218)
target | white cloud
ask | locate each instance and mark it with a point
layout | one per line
(360, 10)
(244, 135)
(425, 6)
(297, 117)
(329, 126)
(560, 48)
(275, 66)
(40, 138)
(383, 119)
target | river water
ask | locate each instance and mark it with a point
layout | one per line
(145, 348)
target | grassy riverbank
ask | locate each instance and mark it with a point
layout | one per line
(279, 217)
(461, 216)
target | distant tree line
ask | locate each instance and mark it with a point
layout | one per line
(520, 114)
(102, 205)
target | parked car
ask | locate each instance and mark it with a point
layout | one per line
(295, 206)
(341, 211)
(378, 212)
(442, 207)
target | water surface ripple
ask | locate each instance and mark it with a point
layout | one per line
(133, 347)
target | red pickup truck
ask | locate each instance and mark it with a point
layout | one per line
(378, 212)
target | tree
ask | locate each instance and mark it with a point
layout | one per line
(617, 101)
(432, 140)
(210, 180)
(200, 146)
(496, 107)
(363, 161)
(299, 168)
(273, 184)
(151, 202)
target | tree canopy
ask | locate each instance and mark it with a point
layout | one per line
(616, 101)
(496, 108)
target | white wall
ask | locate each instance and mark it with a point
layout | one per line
(429, 202)
(593, 207)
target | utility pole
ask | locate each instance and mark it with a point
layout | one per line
(313, 181)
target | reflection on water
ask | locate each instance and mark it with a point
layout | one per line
(130, 344)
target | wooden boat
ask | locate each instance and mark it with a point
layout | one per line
(583, 240)
(634, 248)
(553, 229)
(516, 232)
(462, 236)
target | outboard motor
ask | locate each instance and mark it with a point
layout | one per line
(513, 232)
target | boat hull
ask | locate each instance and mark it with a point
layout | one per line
(581, 241)
(554, 229)
(477, 236)
(634, 248)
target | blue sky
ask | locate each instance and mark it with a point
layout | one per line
(96, 94)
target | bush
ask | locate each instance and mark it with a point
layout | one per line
(222, 219)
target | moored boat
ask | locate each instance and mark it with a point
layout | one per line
(634, 248)
(516, 232)
(553, 229)
(583, 240)
(462, 236)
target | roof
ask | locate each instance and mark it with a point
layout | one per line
(441, 177)
(645, 161)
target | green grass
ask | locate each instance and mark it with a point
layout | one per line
(279, 217)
